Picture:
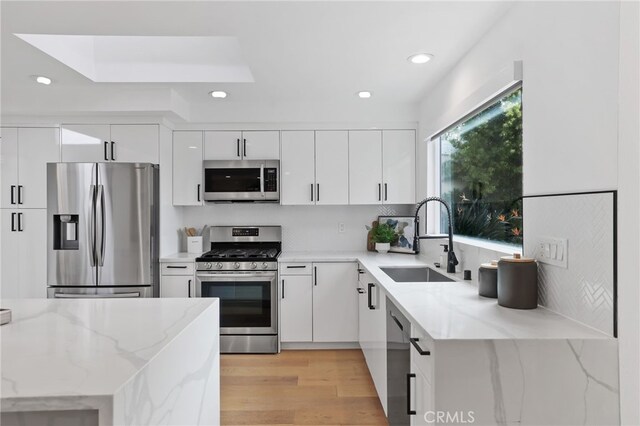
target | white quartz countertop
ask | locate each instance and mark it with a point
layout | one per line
(57, 349)
(180, 257)
(454, 310)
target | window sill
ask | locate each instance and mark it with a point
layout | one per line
(487, 245)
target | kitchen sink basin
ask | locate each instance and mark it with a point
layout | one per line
(415, 274)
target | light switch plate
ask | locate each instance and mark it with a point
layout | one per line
(341, 227)
(553, 251)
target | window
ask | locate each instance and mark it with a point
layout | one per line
(481, 171)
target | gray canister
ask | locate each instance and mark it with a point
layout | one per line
(518, 282)
(488, 279)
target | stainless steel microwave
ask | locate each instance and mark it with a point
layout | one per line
(242, 180)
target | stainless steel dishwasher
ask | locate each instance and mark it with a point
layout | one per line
(398, 367)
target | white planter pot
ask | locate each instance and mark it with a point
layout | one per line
(383, 247)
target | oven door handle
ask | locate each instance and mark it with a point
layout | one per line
(218, 276)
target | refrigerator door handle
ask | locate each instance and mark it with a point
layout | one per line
(92, 226)
(262, 179)
(100, 197)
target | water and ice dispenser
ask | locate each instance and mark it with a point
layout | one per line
(65, 231)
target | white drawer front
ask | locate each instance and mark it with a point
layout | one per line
(295, 268)
(177, 268)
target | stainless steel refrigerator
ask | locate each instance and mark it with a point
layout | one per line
(102, 230)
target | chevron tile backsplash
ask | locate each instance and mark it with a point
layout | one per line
(584, 290)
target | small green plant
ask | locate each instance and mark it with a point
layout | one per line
(383, 233)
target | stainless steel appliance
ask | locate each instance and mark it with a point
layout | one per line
(242, 271)
(241, 180)
(398, 367)
(102, 231)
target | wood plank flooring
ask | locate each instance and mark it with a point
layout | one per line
(324, 387)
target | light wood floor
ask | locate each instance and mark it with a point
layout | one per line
(299, 388)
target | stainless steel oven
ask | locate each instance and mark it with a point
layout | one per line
(242, 180)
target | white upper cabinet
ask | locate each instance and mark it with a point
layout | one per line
(365, 167)
(236, 145)
(297, 168)
(135, 143)
(24, 154)
(187, 168)
(399, 166)
(9, 167)
(86, 143)
(261, 145)
(332, 167)
(222, 145)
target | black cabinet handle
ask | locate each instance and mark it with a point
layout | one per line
(19, 194)
(361, 290)
(385, 192)
(369, 293)
(360, 271)
(238, 147)
(106, 151)
(283, 289)
(113, 151)
(398, 323)
(311, 192)
(244, 147)
(409, 410)
(379, 192)
(20, 228)
(13, 222)
(189, 288)
(176, 267)
(315, 275)
(414, 341)
(13, 194)
(198, 192)
(317, 192)
(296, 266)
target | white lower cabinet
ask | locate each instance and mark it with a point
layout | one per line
(22, 248)
(296, 304)
(177, 279)
(318, 302)
(422, 401)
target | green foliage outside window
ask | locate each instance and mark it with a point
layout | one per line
(481, 172)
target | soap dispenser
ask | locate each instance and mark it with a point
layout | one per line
(444, 256)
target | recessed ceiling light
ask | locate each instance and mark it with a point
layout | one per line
(364, 94)
(420, 58)
(43, 80)
(218, 94)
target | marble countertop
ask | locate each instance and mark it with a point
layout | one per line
(180, 257)
(57, 349)
(454, 310)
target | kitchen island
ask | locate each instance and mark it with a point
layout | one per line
(111, 362)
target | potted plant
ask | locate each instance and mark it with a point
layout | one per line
(383, 235)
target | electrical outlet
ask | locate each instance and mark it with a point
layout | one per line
(341, 228)
(552, 251)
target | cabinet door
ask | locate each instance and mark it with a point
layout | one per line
(86, 143)
(36, 148)
(332, 167)
(365, 167)
(378, 343)
(297, 168)
(296, 295)
(135, 143)
(222, 145)
(335, 302)
(32, 253)
(421, 399)
(176, 286)
(8, 167)
(9, 277)
(261, 145)
(187, 168)
(399, 166)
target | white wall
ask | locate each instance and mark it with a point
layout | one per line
(170, 217)
(573, 61)
(304, 228)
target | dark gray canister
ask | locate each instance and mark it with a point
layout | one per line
(488, 279)
(518, 282)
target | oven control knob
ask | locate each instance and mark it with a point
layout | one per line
(207, 265)
(264, 265)
(236, 265)
(253, 265)
(219, 265)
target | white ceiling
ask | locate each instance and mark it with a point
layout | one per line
(300, 53)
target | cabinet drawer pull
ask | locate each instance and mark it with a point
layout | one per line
(409, 410)
(369, 298)
(398, 323)
(296, 266)
(361, 290)
(414, 341)
(176, 267)
(20, 194)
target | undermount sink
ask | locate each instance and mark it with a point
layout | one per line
(415, 274)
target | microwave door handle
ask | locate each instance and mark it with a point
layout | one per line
(262, 178)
